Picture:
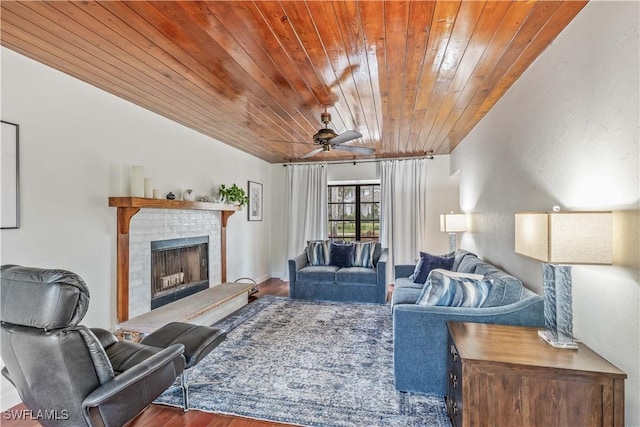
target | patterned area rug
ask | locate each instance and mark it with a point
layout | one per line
(308, 363)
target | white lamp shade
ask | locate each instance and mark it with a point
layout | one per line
(565, 237)
(453, 223)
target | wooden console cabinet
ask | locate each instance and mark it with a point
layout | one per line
(507, 376)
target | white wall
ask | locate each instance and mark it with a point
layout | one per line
(443, 196)
(75, 142)
(566, 134)
(351, 172)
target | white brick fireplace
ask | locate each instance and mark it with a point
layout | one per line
(162, 224)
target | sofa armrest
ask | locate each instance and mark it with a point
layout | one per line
(404, 270)
(295, 265)
(381, 271)
(420, 338)
(137, 386)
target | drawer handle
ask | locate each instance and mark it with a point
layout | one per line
(454, 379)
(454, 353)
(454, 408)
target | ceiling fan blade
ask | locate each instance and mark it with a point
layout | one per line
(345, 137)
(359, 150)
(312, 153)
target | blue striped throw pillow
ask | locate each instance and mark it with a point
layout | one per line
(318, 252)
(444, 290)
(363, 254)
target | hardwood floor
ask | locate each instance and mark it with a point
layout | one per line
(273, 287)
(159, 415)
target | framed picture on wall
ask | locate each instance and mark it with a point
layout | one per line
(255, 201)
(10, 179)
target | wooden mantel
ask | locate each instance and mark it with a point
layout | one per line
(127, 208)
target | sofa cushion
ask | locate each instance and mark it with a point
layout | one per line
(468, 264)
(405, 296)
(429, 262)
(406, 282)
(377, 252)
(363, 254)
(341, 255)
(318, 252)
(506, 288)
(419, 264)
(459, 275)
(357, 275)
(315, 273)
(460, 254)
(444, 290)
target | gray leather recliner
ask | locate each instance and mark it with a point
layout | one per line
(61, 369)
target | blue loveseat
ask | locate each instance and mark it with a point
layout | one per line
(347, 284)
(420, 332)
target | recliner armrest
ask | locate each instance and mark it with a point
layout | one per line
(138, 386)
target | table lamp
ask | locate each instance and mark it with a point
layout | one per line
(562, 238)
(453, 223)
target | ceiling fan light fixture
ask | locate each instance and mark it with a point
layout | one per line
(324, 135)
(328, 139)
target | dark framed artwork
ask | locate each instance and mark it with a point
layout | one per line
(255, 201)
(10, 179)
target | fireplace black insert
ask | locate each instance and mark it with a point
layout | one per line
(179, 268)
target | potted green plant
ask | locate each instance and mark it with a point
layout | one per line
(233, 195)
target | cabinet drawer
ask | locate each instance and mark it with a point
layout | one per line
(454, 384)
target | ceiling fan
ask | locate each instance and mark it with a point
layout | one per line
(328, 139)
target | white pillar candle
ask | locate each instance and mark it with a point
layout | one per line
(156, 193)
(137, 181)
(148, 192)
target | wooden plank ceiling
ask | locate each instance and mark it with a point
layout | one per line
(412, 76)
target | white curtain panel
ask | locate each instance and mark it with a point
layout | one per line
(403, 195)
(305, 207)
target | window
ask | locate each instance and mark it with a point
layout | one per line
(354, 212)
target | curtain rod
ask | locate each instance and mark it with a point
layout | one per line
(338, 162)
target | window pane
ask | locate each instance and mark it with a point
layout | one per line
(349, 194)
(376, 193)
(335, 194)
(336, 211)
(333, 229)
(349, 210)
(367, 230)
(366, 210)
(366, 193)
(349, 229)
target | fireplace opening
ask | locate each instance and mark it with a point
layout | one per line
(179, 268)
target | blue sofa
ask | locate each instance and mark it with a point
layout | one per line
(350, 284)
(420, 332)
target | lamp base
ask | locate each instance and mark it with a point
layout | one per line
(548, 337)
(452, 242)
